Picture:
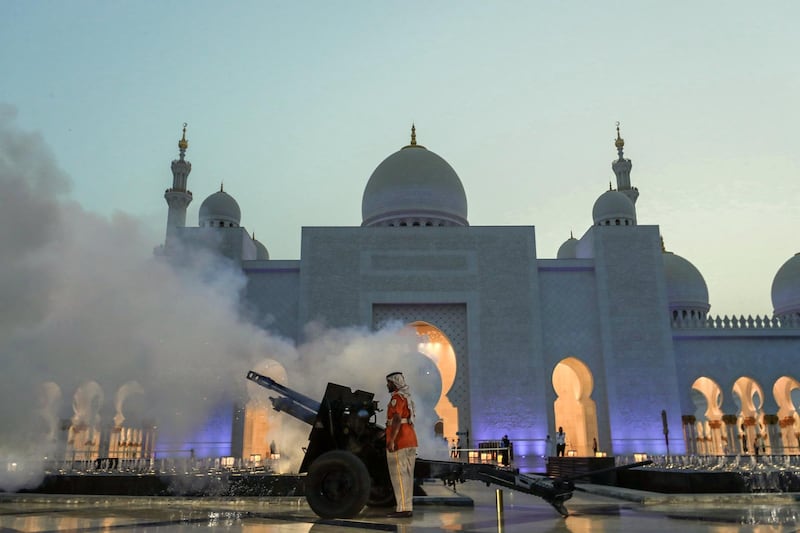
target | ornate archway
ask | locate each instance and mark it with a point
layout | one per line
(710, 436)
(83, 437)
(445, 324)
(262, 438)
(575, 410)
(787, 395)
(749, 396)
(435, 345)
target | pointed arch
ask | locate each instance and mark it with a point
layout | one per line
(83, 438)
(749, 397)
(262, 435)
(574, 407)
(436, 346)
(786, 392)
(710, 433)
(450, 320)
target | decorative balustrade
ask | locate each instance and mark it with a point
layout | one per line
(733, 322)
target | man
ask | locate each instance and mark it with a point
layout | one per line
(401, 444)
(505, 451)
(561, 442)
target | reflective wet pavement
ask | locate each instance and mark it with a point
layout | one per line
(592, 509)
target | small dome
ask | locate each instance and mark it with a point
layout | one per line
(568, 250)
(261, 251)
(220, 210)
(614, 208)
(414, 187)
(686, 288)
(786, 288)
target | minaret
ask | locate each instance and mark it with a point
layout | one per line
(178, 197)
(622, 168)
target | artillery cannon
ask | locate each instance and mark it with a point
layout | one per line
(345, 460)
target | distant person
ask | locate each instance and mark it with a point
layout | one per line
(401, 444)
(594, 446)
(505, 444)
(561, 442)
(744, 439)
(759, 444)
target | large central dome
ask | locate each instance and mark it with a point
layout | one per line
(414, 187)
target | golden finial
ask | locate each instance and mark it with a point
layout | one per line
(413, 143)
(183, 144)
(570, 234)
(620, 142)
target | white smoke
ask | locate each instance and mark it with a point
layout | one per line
(360, 359)
(85, 299)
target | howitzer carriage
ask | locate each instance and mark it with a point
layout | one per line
(345, 460)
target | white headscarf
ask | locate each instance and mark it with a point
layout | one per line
(403, 390)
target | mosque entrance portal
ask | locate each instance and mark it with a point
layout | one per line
(441, 330)
(575, 410)
(439, 376)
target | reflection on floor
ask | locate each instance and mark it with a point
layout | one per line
(592, 509)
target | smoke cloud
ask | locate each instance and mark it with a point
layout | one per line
(87, 306)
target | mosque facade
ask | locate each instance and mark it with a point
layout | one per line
(611, 339)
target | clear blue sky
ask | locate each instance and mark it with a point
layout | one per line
(293, 105)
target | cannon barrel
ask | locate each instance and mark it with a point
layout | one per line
(291, 407)
(302, 399)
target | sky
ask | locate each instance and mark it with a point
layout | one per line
(292, 105)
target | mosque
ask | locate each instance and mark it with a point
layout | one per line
(611, 339)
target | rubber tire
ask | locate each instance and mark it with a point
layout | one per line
(337, 485)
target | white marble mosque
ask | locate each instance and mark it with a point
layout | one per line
(599, 338)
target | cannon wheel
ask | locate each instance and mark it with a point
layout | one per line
(337, 485)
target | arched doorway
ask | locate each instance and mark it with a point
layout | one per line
(262, 438)
(446, 324)
(83, 438)
(787, 395)
(438, 378)
(749, 397)
(130, 438)
(710, 436)
(575, 410)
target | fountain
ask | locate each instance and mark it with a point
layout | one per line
(714, 474)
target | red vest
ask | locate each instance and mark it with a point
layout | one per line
(406, 437)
